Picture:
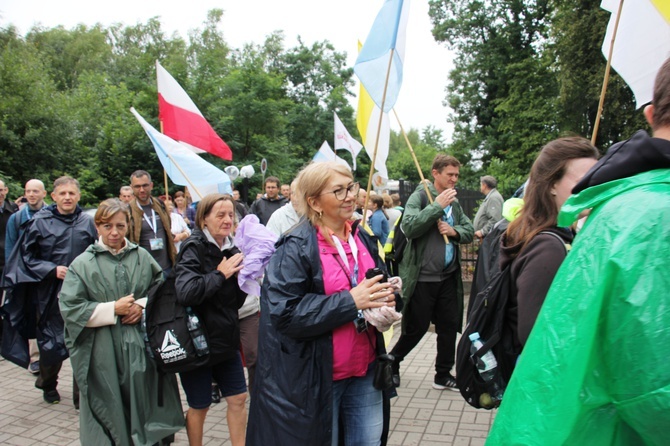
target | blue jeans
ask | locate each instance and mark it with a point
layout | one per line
(360, 407)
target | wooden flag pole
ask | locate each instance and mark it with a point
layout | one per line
(190, 184)
(178, 168)
(418, 167)
(379, 129)
(607, 77)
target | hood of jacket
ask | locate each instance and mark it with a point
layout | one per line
(639, 154)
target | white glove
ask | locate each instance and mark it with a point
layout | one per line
(396, 283)
(381, 318)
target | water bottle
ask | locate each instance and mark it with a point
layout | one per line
(197, 335)
(487, 366)
(143, 328)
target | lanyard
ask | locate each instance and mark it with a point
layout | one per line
(343, 256)
(153, 218)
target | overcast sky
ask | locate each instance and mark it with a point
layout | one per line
(342, 23)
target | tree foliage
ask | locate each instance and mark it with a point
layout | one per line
(527, 72)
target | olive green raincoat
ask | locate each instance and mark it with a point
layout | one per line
(117, 381)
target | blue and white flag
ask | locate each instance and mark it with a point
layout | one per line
(185, 167)
(372, 65)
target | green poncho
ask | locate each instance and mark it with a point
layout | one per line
(118, 382)
(595, 368)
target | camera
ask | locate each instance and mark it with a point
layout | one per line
(373, 272)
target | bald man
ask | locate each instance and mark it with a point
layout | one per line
(34, 193)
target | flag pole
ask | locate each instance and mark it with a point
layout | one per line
(607, 76)
(182, 172)
(178, 168)
(379, 129)
(418, 167)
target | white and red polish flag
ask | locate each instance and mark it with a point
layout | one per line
(183, 122)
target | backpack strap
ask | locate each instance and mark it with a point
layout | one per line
(553, 234)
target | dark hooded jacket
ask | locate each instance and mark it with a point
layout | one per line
(213, 298)
(50, 240)
(264, 207)
(291, 402)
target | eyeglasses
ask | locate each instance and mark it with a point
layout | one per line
(342, 193)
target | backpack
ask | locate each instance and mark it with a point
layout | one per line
(168, 339)
(494, 317)
(395, 249)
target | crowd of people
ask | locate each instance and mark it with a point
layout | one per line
(589, 293)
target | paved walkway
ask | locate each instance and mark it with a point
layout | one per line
(419, 416)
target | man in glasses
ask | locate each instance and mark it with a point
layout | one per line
(150, 224)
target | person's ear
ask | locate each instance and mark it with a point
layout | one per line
(649, 114)
(314, 204)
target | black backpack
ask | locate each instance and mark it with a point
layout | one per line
(399, 238)
(494, 318)
(169, 340)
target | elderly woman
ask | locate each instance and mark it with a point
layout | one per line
(317, 354)
(533, 244)
(206, 280)
(101, 302)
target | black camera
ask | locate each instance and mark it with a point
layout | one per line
(374, 272)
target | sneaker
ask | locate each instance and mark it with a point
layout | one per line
(51, 396)
(448, 382)
(34, 368)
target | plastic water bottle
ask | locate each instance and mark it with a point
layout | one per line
(197, 335)
(143, 328)
(487, 366)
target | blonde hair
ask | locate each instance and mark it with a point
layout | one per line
(311, 181)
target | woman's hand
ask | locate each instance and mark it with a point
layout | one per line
(123, 305)
(370, 293)
(231, 266)
(134, 315)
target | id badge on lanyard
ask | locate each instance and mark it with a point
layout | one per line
(156, 243)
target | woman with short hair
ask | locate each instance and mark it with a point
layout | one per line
(206, 281)
(103, 295)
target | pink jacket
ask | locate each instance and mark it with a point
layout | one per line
(352, 351)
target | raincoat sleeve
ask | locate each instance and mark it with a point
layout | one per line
(462, 225)
(416, 221)
(295, 310)
(30, 251)
(76, 305)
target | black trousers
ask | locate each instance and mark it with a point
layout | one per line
(436, 302)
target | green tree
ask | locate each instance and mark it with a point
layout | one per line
(494, 41)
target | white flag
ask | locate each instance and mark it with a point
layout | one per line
(642, 43)
(343, 140)
(325, 153)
